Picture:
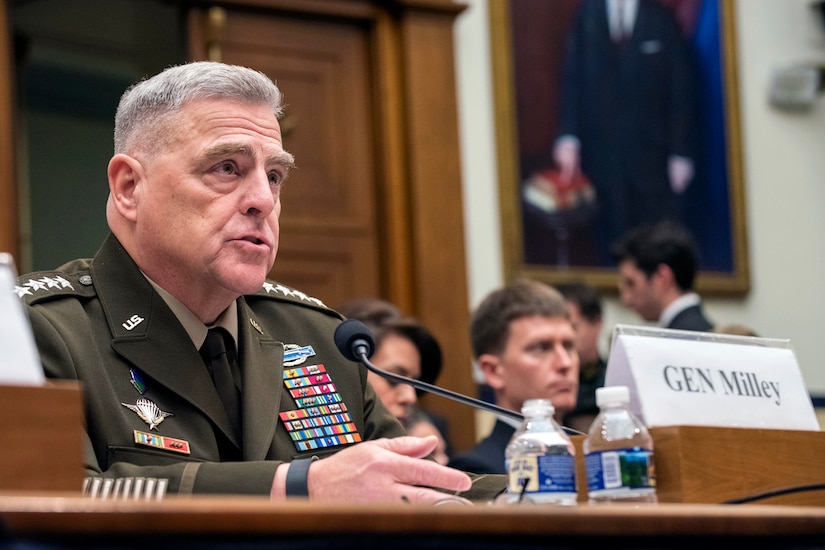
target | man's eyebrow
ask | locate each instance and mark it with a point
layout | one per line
(282, 158)
(398, 369)
(228, 149)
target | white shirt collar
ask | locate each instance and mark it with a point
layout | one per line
(628, 16)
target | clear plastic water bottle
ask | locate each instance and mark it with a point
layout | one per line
(540, 458)
(618, 452)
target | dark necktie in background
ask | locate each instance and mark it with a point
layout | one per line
(217, 361)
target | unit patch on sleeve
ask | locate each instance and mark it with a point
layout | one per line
(321, 419)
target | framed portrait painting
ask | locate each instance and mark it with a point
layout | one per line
(612, 114)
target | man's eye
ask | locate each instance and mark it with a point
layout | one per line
(226, 168)
(275, 178)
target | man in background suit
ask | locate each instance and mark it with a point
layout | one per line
(628, 113)
(524, 343)
(657, 270)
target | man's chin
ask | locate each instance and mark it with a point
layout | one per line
(246, 281)
(564, 402)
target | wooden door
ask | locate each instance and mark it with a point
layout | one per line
(328, 245)
(375, 207)
(9, 241)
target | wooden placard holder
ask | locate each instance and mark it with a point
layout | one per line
(700, 464)
(41, 428)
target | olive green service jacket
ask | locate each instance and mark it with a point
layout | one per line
(151, 408)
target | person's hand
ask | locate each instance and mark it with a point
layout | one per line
(388, 470)
(566, 156)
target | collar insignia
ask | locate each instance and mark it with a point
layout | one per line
(256, 325)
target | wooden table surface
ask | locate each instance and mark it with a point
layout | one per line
(38, 515)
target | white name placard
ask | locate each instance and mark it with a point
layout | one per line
(19, 361)
(681, 377)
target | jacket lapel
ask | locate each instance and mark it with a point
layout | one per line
(262, 364)
(147, 333)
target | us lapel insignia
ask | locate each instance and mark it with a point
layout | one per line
(148, 412)
(321, 419)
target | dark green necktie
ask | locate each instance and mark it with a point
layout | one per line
(215, 356)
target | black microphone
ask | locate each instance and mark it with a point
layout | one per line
(355, 342)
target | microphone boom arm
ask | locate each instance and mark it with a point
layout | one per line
(361, 352)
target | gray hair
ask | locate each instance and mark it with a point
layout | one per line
(147, 105)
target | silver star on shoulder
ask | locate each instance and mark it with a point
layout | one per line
(148, 412)
(22, 291)
(286, 291)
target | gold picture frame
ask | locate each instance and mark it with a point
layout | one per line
(725, 233)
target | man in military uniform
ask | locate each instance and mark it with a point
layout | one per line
(193, 209)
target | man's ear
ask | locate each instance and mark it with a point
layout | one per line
(665, 275)
(490, 366)
(124, 173)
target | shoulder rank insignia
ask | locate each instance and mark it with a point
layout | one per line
(44, 283)
(291, 293)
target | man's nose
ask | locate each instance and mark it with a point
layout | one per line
(565, 357)
(258, 194)
(407, 394)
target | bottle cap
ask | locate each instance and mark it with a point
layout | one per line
(533, 407)
(612, 394)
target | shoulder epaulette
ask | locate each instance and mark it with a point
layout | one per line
(277, 291)
(46, 285)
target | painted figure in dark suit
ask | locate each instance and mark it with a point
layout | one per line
(524, 343)
(628, 111)
(658, 264)
(193, 208)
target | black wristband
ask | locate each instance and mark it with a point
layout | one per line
(296, 477)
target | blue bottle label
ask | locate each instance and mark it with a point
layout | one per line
(542, 474)
(620, 470)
